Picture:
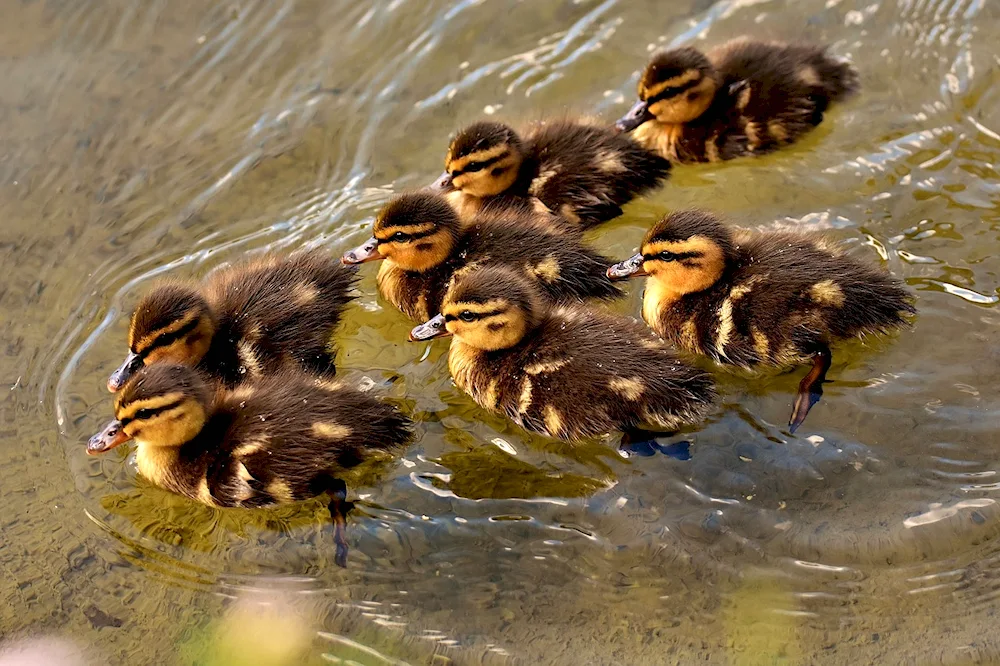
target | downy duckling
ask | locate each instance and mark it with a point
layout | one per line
(583, 172)
(424, 245)
(759, 299)
(243, 320)
(566, 372)
(283, 438)
(744, 97)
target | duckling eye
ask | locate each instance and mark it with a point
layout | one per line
(143, 414)
(399, 237)
(467, 316)
(668, 256)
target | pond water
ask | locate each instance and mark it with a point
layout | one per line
(143, 139)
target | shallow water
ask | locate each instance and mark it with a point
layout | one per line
(142, 139)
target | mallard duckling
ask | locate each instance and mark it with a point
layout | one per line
(283, 438)
(583, 172)
(424, 245)
(243, 320)
(744, 97)
(566, 372)
(759, 299)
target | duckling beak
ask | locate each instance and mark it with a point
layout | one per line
(442, 184)
(113, 435)
(636, 116)
(362, 253)
(128, 367)
(631, 267)
(433, 328)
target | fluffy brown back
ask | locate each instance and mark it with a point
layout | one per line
(588, 171)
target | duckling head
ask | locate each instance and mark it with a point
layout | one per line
(677, 86)
(173, 324)
(488, 308)
(416, 231)
(482, 161)
(161, 405)
(686, 252)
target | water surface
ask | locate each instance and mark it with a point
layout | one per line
(143, 139)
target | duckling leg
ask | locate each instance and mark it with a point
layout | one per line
(810, 388)
(339, 508)
(639, 442)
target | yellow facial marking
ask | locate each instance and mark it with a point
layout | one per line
(673, 82)
(685, 107)
(547, 269)
(457, 164)
(330, 430)
(545, 367)
(248, 358)
(385, 233)
(630, 388)
(304, 293)
(827, 292)
(760, 343)
(143, 344)
(553, 420)
(455, 309)
(524, 402)
(128, 411)
(280, 491)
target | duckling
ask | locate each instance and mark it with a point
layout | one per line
(243, 320)
(760, 299)
(581, 171)
(424, 245)
(744, 97)
(282, 438)
(566, 372)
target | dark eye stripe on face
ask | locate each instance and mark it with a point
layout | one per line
(676, 256)
(476, 315)
(667, 93)
(152, 412)
(479, 166)
(167, 338)
(406, 238)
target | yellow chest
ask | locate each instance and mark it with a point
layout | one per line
(465, 363)
(391, 280)
(662, 138)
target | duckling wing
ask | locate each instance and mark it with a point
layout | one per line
(587, 172)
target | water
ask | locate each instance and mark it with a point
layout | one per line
(142, 139)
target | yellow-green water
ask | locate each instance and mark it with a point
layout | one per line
(140, 139)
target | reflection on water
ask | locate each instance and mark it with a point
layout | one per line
(142, 140)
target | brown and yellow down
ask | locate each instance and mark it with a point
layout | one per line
(745, 97)
(567, 372)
